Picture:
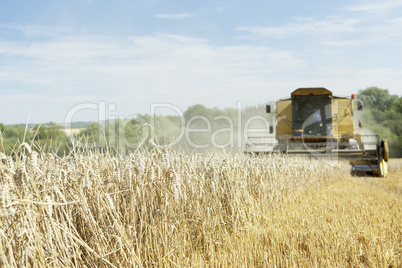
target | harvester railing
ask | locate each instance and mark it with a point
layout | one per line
(347, 147)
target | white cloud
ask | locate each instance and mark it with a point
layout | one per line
(343, 30)
(175, 16)
(328, 26)
(114, 55)
(348, 79)
(49, 74)
(138, 70)
(390, 30)
(376, 6)
(39, 30)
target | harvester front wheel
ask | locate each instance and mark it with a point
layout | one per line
(383, 168)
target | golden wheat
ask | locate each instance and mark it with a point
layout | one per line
(163, 208)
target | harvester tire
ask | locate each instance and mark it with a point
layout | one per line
(384, 151)
(383, 168)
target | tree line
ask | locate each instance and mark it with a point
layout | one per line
(382, 114)
(205, 128)
(48, 137)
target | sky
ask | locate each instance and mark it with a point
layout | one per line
(63, 59)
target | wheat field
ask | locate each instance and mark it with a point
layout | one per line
(166, 209)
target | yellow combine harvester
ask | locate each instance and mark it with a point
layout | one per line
(313, 121)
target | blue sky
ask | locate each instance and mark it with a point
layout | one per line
(55, 55)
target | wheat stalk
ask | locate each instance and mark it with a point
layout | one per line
(165, 208)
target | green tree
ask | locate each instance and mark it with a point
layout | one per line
(50, 137)
(383, 115)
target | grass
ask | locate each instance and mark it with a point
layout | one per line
(163, 208)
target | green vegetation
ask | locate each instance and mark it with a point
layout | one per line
(382, 115)
(206, 128)
(45, 138)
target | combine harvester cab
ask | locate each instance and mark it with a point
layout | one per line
(316, 123)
